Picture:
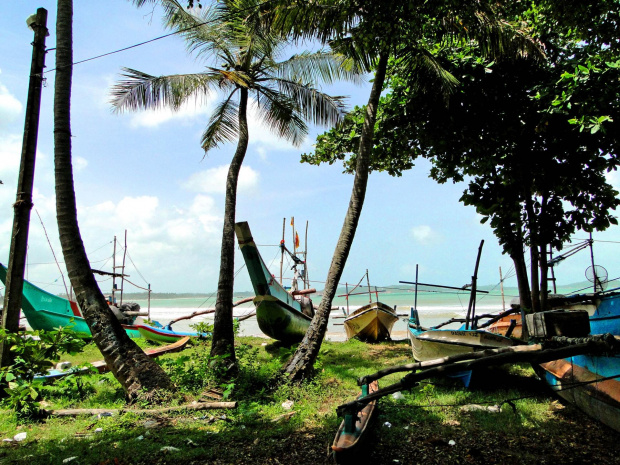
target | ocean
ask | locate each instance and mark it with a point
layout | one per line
(434, 307)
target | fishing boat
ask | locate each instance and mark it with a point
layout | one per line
(352, 429)
(46, 311)
(372, 322)
(102, 367)
(281, 315)
(435, 343)
(167, 334)
(592, 383)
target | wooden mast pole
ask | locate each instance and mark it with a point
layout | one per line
(282, 249)
(114, 274)
(123, 269)
(306, 278)
(501, 286)
(471, 309)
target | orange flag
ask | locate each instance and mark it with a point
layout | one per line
(296, 240)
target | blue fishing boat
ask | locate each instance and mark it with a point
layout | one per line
(167, 334)
(592, 383)
(280, 314)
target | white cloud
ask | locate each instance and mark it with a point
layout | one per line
(213, 180)
(423, 234)
(10, 108)
(156, 117)
(613, 178)
(79, 163)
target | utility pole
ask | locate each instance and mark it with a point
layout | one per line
(23, 202)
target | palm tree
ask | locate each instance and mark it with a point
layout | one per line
(132, 368)
(246, 63)
(372, 33)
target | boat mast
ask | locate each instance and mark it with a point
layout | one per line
(282, 249)
(306, 278)
(114, 274)
(123, 268)
(501, 286)
(593, 267)
(369, 291)
(471, 309)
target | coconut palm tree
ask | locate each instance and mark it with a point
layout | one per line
(138, 374)
(245, 67)
(373, 33)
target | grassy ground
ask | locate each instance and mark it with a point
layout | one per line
(428, 425)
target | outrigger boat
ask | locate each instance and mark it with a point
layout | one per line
(167, 334)
(352, 429)
(435, 343)
(102, 367)
(280, 314)
(46, 311)
(372, 322)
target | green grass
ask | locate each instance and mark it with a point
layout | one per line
(248, 432)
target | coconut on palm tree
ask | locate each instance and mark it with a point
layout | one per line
(244, 66)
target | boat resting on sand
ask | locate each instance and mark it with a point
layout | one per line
(102, 367)
(48, 312)
(372, 322)
(349, 436)
(280, 314)
(161, 334)
(591, 382)
(432, 343)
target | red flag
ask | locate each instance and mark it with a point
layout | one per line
(296, 240)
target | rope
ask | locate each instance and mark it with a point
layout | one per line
(52, 249)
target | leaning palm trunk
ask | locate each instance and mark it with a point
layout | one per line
(302, 363)
(223, 335)
(129, 364)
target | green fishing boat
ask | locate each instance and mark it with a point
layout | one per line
(280, 314)
(48, 312)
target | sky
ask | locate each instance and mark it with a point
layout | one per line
(145, 173)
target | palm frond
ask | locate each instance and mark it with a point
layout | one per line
(322, 66)
(311, 104)
(426, 73)
(281, 114)
(139, 90)
(223, 125)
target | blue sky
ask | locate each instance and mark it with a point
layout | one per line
(146, 173)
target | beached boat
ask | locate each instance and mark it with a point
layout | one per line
(372, 322)
(46, 311)
(280, 314)
(592, 383)
(161, 334)
(102, 367)
(351, 431)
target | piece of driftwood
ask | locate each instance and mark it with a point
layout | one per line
(555, 349)
(97, 411)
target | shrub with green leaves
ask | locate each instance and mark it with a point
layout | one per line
(33, 353)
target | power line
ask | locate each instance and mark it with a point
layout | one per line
(230, 15)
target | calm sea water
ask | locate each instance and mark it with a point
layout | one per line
(434, 307)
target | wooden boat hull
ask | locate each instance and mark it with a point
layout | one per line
(502, 325)
(48, 312)
(591, 382)
(432, 344)
(372, 322)
(346, 445)
(165, 335)
(278, 313)
(102, 367)
(279, 320)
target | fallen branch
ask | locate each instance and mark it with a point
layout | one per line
(97, 411)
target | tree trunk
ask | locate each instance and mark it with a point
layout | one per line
(129, 364)
(223, 334)
(300, 366)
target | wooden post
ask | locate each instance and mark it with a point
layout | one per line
(471, 309)
(306, 277)
(369, 291)
(501, 286)
(114, 274)
(282, 249)
(123, 269)
(149, 303)
(23, 202)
